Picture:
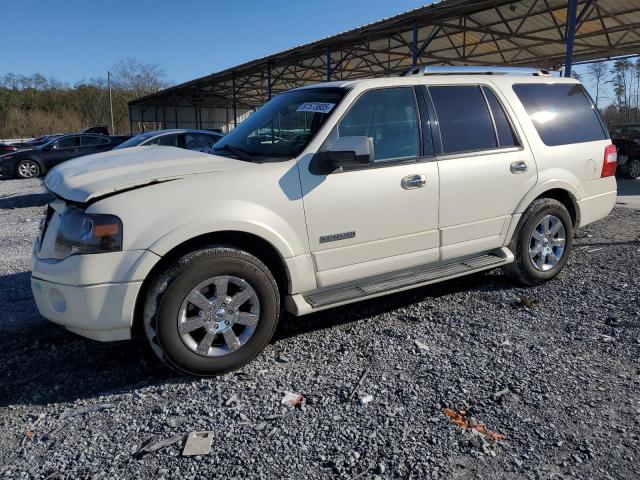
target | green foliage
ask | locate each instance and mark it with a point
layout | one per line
(34, 105)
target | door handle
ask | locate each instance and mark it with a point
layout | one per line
(411, 182)
(519, 167)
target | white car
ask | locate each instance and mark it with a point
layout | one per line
(327, 195)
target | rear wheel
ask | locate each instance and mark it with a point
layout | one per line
(27, 169)
(631, 169)
(212, 311)
(542, 242)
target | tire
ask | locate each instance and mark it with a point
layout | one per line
(540, 269)
(169, 302)
(27, 169)
(631, 169)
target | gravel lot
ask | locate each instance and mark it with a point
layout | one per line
(553, 369)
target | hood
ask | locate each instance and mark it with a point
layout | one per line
(93, 176)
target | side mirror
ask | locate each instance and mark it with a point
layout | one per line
(349, 152)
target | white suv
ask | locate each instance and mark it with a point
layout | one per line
(327, 195)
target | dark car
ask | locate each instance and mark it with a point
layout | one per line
(34, 161)
(626, 138)
(199, 140)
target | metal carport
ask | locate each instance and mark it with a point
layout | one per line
(545, 33)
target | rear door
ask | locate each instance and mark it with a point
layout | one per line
(485, 169)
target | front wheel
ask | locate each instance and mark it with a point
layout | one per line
(212, 311)
(541, 243)
(27, 169)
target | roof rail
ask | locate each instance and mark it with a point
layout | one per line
(475, 70)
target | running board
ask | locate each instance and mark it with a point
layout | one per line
(397, 281)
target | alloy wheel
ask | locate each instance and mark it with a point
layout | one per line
(28, 169)
(218, 316)
(547, 243)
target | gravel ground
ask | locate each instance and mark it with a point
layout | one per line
(547, 378)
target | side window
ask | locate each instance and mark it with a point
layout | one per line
(198, 141)
(67, 142)
(561, 113)
(166, 140)
(506, 135)
(390, 117)
(87, 140)
(464, 118)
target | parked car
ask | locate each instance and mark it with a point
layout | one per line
(34, 161)
(626, 137)
(198, 140)
(327, 195)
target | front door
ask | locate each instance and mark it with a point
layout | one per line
(381, 216)
(61, 150)
(485, 168)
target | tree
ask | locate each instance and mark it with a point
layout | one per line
(34, 105)
(621, 81)
(138, 79)
(598, 73)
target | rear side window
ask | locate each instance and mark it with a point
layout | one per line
(561, 113)
(464, 118)
(506, 135)
(67, 142)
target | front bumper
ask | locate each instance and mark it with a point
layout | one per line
(101, 312)
(92, 295)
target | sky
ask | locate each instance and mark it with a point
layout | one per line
(76, 40)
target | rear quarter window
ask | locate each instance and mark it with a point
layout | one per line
(561, 112)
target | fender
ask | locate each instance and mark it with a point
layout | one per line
(191, 230)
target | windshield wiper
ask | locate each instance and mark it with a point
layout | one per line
(238, 152)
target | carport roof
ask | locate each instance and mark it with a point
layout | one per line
(450, 32)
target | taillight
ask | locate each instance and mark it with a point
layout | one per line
(610, 163)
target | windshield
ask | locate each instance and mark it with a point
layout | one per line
(283, 127)
(135, 141)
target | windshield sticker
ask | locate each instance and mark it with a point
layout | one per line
(318, 107)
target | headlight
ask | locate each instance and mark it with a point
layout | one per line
(81, 232)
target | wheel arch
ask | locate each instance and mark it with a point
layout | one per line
(560, 190)
(262, 249)
(568, 200)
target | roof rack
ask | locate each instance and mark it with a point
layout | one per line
(475, 70)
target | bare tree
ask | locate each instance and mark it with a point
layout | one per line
(138, 78)
(598, 73)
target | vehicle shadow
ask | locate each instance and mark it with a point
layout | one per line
(43, 363)
(25, 201)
